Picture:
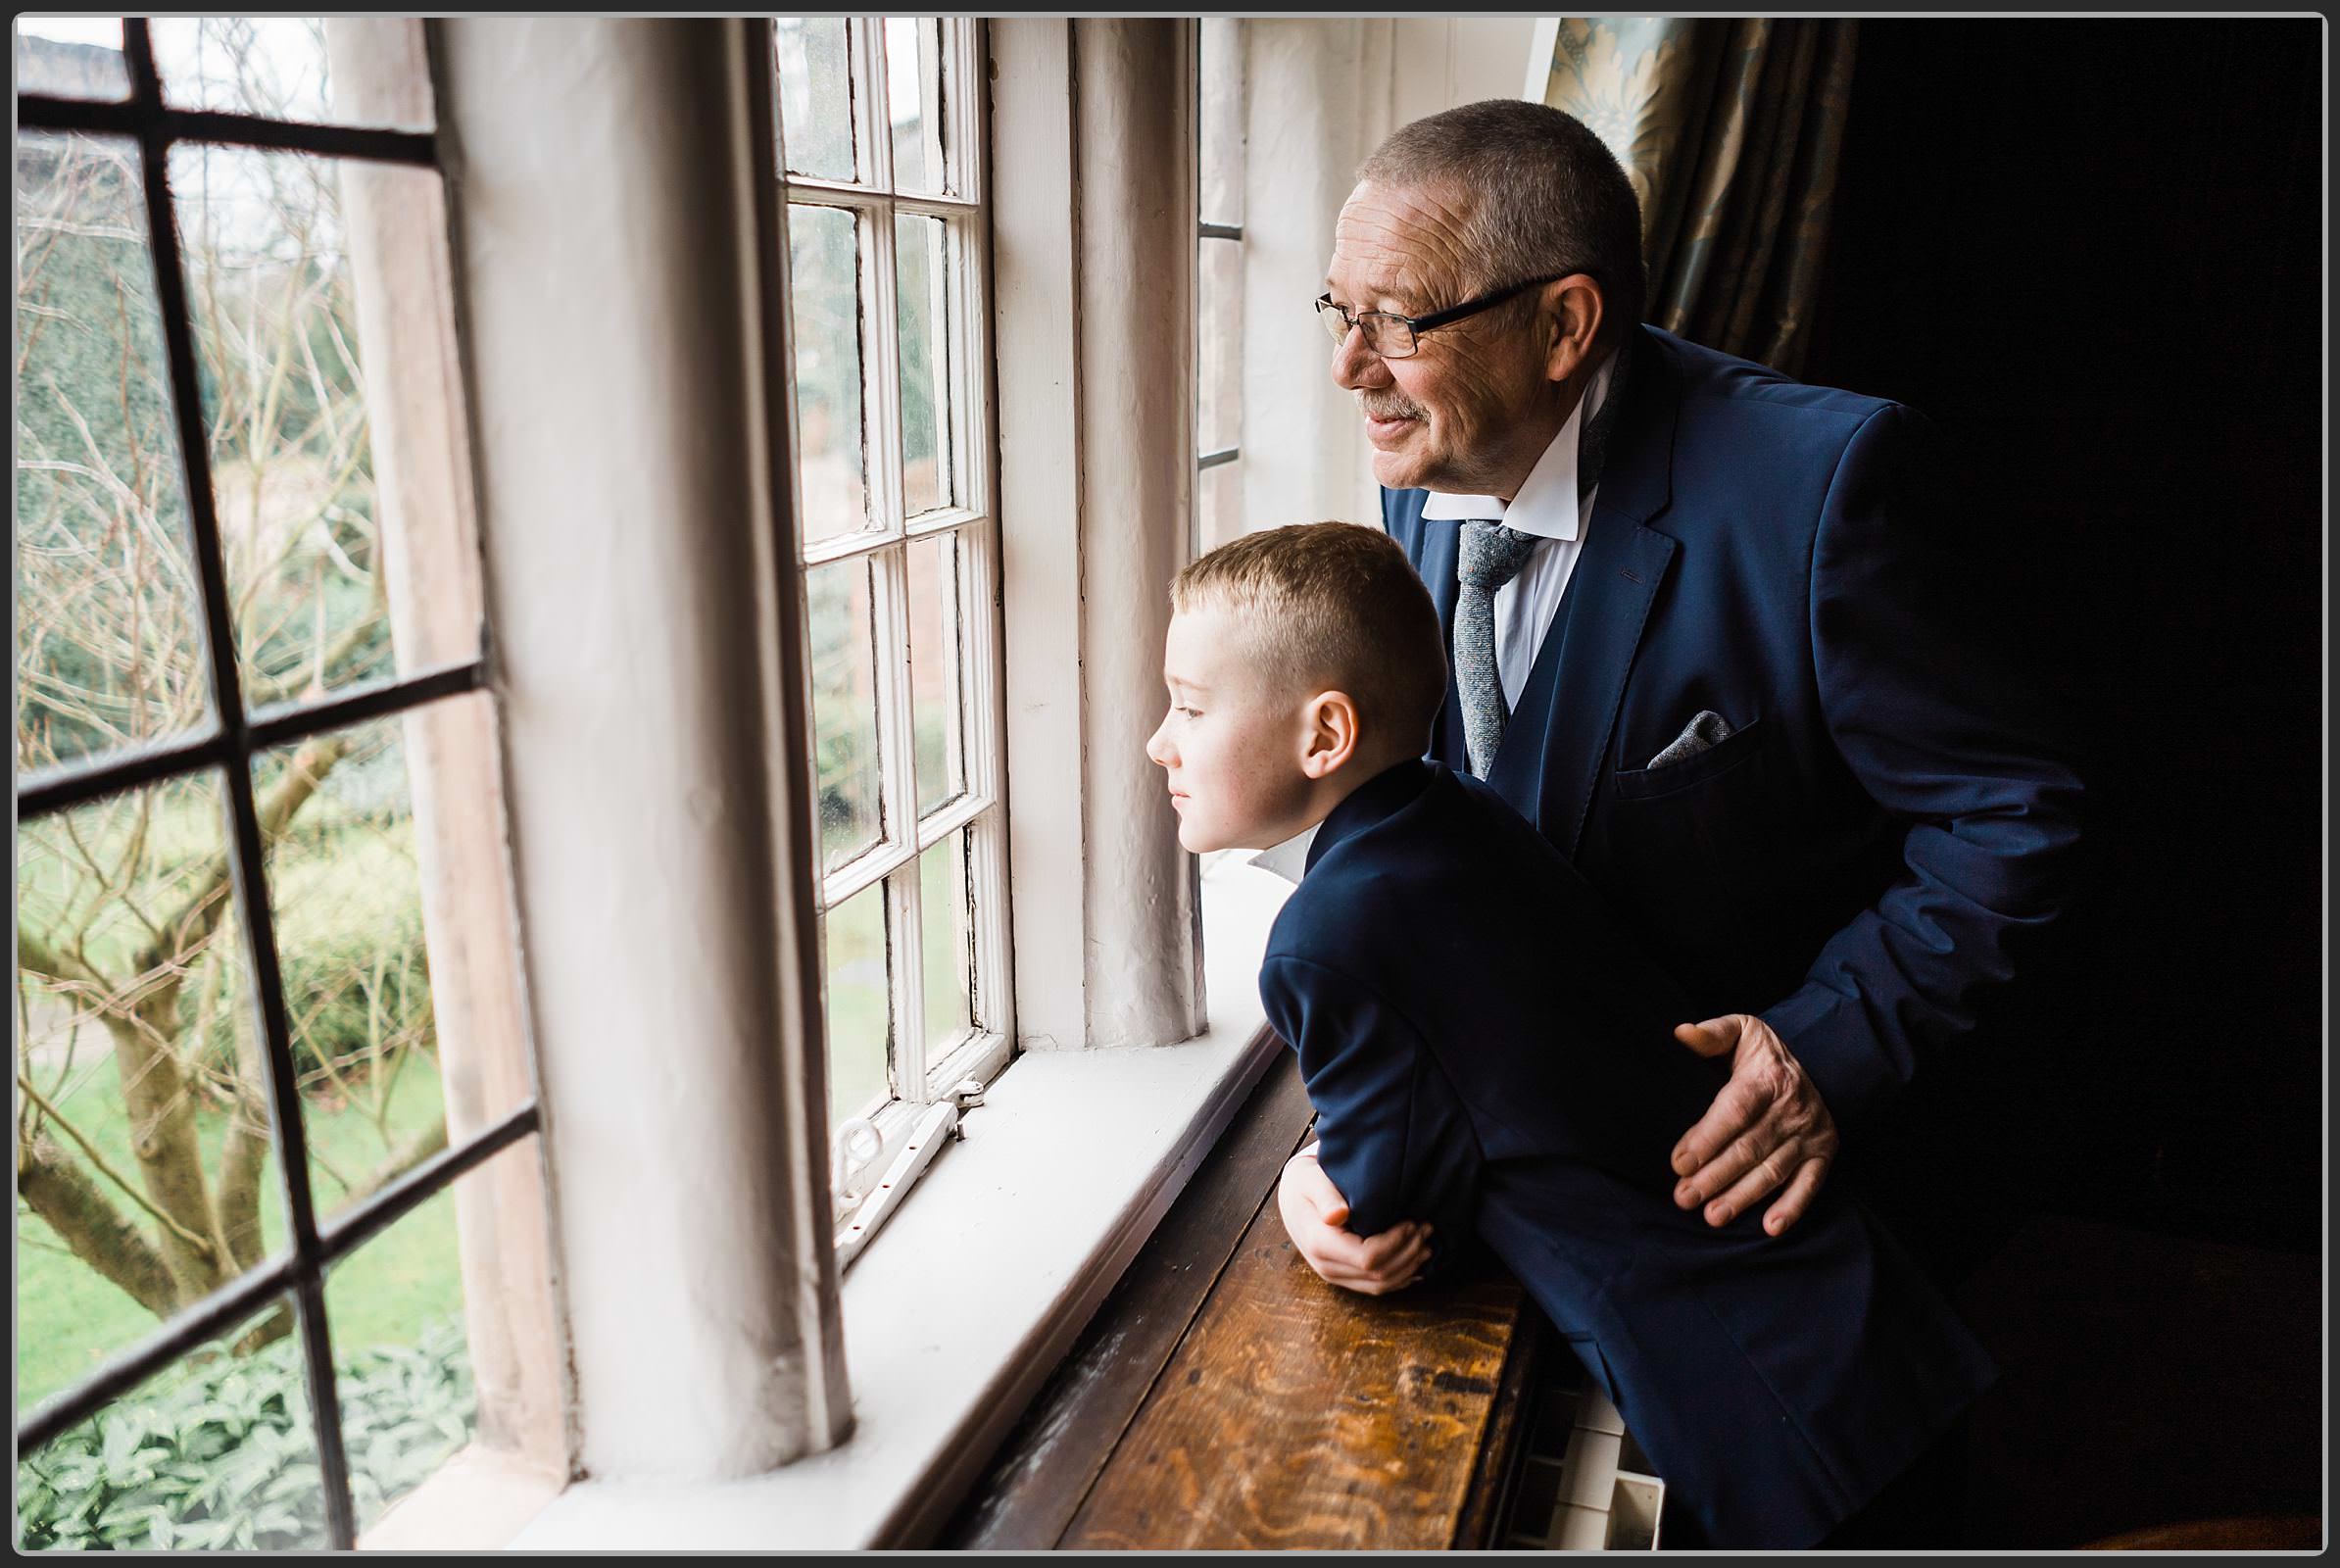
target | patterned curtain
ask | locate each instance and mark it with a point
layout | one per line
(1731, 129)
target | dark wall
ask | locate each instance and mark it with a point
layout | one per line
(2090, 249)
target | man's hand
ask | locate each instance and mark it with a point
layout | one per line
(1314, 1212)
(1767, 1128)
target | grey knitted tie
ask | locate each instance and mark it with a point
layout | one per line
(1492, 555)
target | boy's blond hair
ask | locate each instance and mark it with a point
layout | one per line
(1332, 606)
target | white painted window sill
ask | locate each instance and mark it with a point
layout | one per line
(958, 1311)
(475, 1501)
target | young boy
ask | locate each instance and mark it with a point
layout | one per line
(1485, 1052)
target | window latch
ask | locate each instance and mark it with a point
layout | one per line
(857, 1143)
(926, 1139)
(964, 1096)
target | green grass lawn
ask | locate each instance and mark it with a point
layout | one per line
(69, 1319)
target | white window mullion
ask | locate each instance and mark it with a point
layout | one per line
(896, 762)
(881, 860)
(873, 134)
(949, 820)
(881, 374)
(983, 688)
(987, 854)
(965, 245)
(868, 541)
(945, 519)
(930, 107)
(977, 586)
(836, 193)
(963, 46)
(987, 877)
(953, 430)
(952, 288)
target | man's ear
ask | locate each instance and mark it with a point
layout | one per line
(1573, 312)
(1330, 736)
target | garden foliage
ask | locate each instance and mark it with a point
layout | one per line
(220, 1454)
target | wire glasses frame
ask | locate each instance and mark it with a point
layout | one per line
(1393, 336)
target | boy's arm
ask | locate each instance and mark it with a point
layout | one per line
(1391, 1135)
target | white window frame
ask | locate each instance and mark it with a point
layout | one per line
(1213, 229)
(917, 1084)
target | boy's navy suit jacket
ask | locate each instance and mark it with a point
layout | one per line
(1892, 819)
(1485, 1052)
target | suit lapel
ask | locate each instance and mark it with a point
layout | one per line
(1607, 603)
(1441, 542)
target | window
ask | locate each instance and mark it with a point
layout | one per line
(1219, 286)
(262, 907)
(879, 144)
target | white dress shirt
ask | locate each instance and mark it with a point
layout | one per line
(1547, 506)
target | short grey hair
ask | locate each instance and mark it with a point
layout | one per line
(1545, 196)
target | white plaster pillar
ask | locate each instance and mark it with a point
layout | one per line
(1097, 471)
(619, 269)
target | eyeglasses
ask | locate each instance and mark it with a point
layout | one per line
(1393, 336)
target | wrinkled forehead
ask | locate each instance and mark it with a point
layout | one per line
(1399, 244)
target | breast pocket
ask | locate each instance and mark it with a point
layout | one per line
(1692, 834)
(1732, 751)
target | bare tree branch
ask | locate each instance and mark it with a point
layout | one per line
(105, 1168)
(54, 1187)
(417, 1147)
(244, 1156)
(201, 911)
(34, 955)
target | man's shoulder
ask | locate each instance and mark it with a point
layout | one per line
(1712, 381)
(1726, 408)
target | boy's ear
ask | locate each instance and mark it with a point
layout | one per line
(1331, 734)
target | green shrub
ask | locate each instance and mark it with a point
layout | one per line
(349, 940)
(220, 1454)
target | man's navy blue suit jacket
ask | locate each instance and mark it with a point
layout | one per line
(1486, 1052)
(1867, 855)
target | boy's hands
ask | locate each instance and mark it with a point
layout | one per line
(1314, 1212)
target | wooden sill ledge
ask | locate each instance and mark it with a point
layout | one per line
(1224, 1397)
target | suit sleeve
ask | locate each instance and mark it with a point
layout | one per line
(1394, 1136)
(1940, 729)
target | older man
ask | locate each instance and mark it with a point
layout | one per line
(1705, 633)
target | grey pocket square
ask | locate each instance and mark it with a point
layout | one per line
(1709, 728)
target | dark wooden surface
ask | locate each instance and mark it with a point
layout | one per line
(1295, 1415)
(1225, 1398)
(1044, 1469)
(1525, 1371)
